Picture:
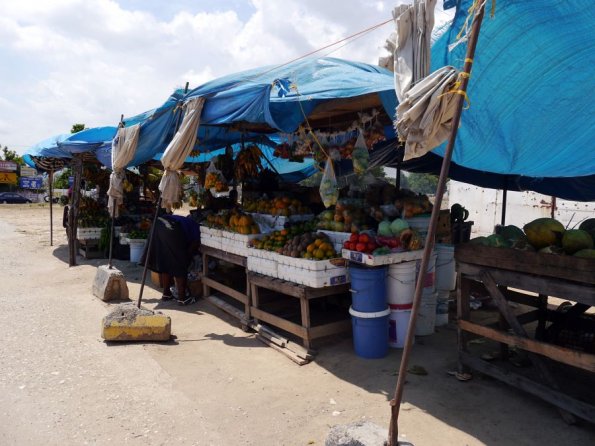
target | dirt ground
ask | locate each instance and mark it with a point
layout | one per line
(60, 384)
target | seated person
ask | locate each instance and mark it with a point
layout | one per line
(176, 240)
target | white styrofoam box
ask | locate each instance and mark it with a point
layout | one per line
(205, 230)
(311, 265)
(386, 259)
(213, 242)
(262, 266)
(312, 278)
(88, 233)
(337, 238)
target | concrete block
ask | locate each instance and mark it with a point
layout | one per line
(360, 433)
(126, 322)
(110, 284)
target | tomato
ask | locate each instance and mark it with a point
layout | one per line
(361, 247)
(364, 238)
(353, 237)
(371, 246)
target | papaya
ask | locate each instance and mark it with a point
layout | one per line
(575, 240)
(512, 232)
(544, 232)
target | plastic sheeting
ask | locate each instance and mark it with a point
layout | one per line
(88, 140)
(49, 149)
(531, 88)
(280, 96)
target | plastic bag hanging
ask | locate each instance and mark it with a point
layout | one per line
(213, 176)
(329, 191)
(360, 155)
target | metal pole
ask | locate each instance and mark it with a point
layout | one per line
(504, 196)
(429, 245)
(553, 214)
(51, 180)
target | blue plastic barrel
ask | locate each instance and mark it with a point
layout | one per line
(368, 288)
(370, 333)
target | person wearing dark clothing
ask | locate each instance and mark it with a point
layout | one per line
(176, 240)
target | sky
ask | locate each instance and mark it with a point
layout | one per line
(89, 61)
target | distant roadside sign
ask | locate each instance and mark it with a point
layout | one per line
(8, 177)
(8, 166)
(27, 171)
(31, 182)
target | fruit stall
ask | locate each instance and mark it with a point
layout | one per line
(522, 271)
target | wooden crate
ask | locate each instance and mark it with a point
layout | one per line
(565, 267)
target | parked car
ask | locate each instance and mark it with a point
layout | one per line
(13, 197)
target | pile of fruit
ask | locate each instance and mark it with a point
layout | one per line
(91, 214)
(283, 206)
(344, 218)
(545, 235)
(401, 239)
(309, 245)
(248, 164)
(215, 180)
(233, 221)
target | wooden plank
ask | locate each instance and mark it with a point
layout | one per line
(505, 310)
(285, 351)
(223, 255)
(527, 318)
(585, 361)
(521, 298)
(542, 285)
(229, 309)
(558, 399)
(546, 265)
(235, 294)
(281, 323)
(305, 310)
(270, 283)
(314, 293)
(463, 314)
(330, 329)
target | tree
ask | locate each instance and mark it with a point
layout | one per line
(423, 183)
(77, 128)
(11, 155)
(61, 181)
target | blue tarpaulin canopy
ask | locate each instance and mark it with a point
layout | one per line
(279, 98)
(88, 140)
(532, 111)
(48, 149)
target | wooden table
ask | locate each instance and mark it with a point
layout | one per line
(503, 272)
(209, 282)
(305, 294)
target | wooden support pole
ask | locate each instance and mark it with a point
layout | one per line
(51, 180)
(395, 403)
(77, 164)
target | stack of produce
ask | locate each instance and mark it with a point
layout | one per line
(215, 180)
(91, 214)
(247, 163)
(309, 245)
(395, 236)
(233, 221)
(545, 235)
(344, 218)
(283, 206)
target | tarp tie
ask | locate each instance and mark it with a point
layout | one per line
(468, 60)
(456, 88)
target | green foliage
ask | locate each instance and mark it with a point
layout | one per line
(61, 181)
(423, 183)
(77, 128)
(11, 155)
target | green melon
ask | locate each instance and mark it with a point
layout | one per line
(511, 232)
(544, 232)
(589, 226)
(575, 240)
(497, 241)
(585, 253)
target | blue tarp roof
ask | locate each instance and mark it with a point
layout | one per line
(88, 140)
(280, 96)
(48, 148)
(532, 110)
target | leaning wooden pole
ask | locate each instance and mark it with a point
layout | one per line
(395, 403)
(51, 180)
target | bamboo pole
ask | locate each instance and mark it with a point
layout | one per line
(396, 401)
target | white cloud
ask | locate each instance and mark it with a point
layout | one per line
(91, 60)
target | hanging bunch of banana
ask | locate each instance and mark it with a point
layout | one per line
(248, 163)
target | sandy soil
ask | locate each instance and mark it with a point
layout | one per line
(60, 384)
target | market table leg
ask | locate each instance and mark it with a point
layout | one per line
(542, 306)
(206, 290)
(305, 307)
(463, 313)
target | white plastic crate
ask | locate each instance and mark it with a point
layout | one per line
(262, 266)
(313, 278)
(88, 233)
(386, 259)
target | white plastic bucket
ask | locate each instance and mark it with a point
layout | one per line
(426, 316)
(442, 307)
(430, 276)
(400, 283)
(398, 324)
(446, 275)
(136, 250)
